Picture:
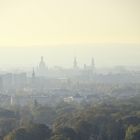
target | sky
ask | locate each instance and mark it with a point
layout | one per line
(109, 55)
(44, 22)
(108, 30)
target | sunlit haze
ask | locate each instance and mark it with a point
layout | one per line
(43, 22)
(107, 30)
(69, 69)
(105, 55)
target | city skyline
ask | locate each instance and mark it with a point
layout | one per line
(107, 30)
(69, 69)
(108, 55)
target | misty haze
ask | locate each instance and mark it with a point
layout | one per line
(69, 70)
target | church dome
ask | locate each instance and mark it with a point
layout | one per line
(42, 64)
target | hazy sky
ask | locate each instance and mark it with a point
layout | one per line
(105, 55)
(43, 22)
(29, 23)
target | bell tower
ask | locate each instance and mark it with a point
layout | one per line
(75, 64)
(42, 67)
(92, 65)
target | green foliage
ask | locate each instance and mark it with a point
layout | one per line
(6, 113)
(44, 114)
(32, 132)
(59, 137)
(19, 134)
(64, 134)
(111, 120)
(133, 133)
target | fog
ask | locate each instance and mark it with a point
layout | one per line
(105, 55)
(77, 21)
(69, 69)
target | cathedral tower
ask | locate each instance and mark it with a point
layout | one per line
(75, 64)
(42, 69)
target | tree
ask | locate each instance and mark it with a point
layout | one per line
(44, 115)
(59, 137)
(133, 133)
(64, 134)
(84, 130)
(19, 134)
(32, 132)
(38, 132)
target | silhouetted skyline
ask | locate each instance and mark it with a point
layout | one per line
(105, 55)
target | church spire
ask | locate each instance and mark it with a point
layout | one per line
(42, 59)
(92, 63)
(33, 73)
(75, 64)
